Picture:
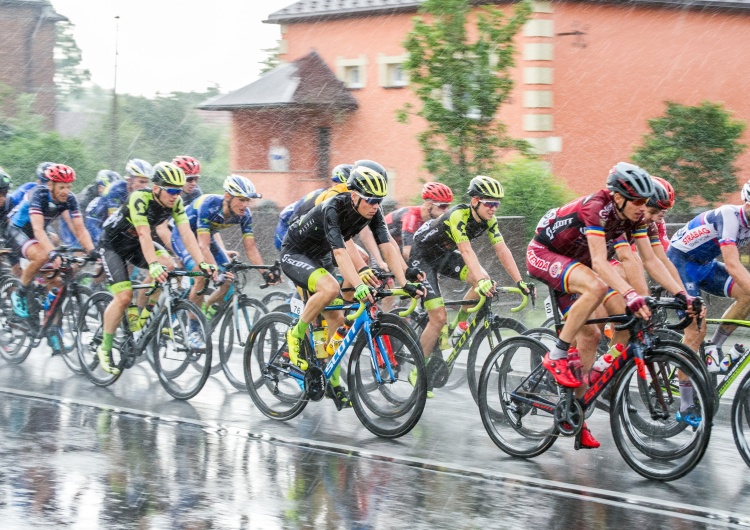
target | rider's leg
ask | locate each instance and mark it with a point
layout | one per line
(324, 289)
(438, 318)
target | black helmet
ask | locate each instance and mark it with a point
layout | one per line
(630, 181)
(367, 180)
(372, 165)
(5, 180)
(340, 173)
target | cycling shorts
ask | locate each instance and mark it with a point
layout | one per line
(711, 277)
(450, 264)
(115, 263)
(303, 270)
(18, 243)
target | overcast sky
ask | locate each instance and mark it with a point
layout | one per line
(172, 45)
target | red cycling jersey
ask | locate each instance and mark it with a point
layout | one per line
(402, 224)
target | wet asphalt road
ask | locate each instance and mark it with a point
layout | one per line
(74, 455)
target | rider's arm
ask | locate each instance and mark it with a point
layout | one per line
(346, 267)
(471, 260)
(633, 267)
(655, 267)
(735, 268)
(394, 260)
(162, 230)
(661, 255)
(601, 266)
(355, 255)
(82, 235)
(251, 251)
(368, 240)
(40, 234)
(204, 243)
(506, 260)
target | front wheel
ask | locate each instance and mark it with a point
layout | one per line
(181, 349)
(234, 334)
(387, 381)
(71, 311)
(741, 418)
(89, 338)
(15, 339)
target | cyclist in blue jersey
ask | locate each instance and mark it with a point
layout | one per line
(138, 175)
(104, 179)
(21, 191)
(5, 207)
(28, 236)
(694, 250)
(192, 169)
(211, 213)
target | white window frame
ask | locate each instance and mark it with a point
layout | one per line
(386, 66)
(344, 66)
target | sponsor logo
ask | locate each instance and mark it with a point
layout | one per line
(555, 269)
(296, 263)
(536, 261)
(561, 223)
(695, 234)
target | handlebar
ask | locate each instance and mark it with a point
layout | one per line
(514, 290)
(630, 320)
(237, 266)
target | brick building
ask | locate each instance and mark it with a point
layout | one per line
(27, 42)
(588, 76)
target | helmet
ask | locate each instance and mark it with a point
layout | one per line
(745, 193)
(59, 173)
(105, 177)
(663, 196)
(188, 164)
(437, 192)
(5, 180)
(169, 175)
(487, 187)
(367, 181)
(40, 170)
(630, 181)
(372, 165)
(238, 186)
(341, 173)
(138, 168)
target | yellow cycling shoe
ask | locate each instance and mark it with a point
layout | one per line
(294, 347)
(104, 361)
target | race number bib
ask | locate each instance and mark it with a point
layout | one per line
(548, 307)
(296, 306)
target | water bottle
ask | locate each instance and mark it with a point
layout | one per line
(460, 328)
(133, 318)
(737, 351)
(336, 340)
(320, 335)
(713, 354)
(51, 295)
(615, 351)
(574, 364)
(601, 364)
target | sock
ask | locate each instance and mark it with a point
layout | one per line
(107, 341)
(336, 377)
(686, 395)
(720, 336)
(300, 329)
(460, 317)
(560, 351)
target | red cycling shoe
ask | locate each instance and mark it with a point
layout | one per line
(560, 371)
(586, 440)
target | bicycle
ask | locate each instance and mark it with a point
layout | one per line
(524, 410)
(58, 310)
(165, 334)
(383, 354)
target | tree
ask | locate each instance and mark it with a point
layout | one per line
(69, 77)
(271, 61)
(461, 84)
(695, 149)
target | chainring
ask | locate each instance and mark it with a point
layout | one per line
(568, 419)
(315, 383)
(437, 371)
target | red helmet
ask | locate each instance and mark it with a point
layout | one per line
(437, 192)
(60, 173)
(188, 164)
(664, 196)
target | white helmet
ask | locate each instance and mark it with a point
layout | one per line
(238, 186)
(745, 193)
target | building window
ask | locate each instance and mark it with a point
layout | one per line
(352, 72)
(353, 77)
(390, 72)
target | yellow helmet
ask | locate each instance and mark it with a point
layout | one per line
(485, 187)
(169, 175)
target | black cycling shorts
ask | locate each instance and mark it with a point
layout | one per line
(451, 264)
(303, 270)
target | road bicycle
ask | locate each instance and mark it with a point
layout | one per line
(58, 313)
(182, 369)
(524, 410)
(383, 354)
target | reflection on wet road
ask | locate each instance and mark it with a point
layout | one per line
(129, 457)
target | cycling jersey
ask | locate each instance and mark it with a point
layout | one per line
(656, 232)
(287, 215)
(114, 198)
(455, 226)
(40, 202)
(189, 198)
(93, 223)
(403, 223)
(701, 239)
(312, 199)
(87, 194)
(19, 193)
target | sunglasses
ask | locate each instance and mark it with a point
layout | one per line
(441, 205)
(639, 202)
(372, 201)
(172, 191)
(490, 204)
(191, 179)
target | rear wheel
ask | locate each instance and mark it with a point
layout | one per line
(71, 311)
(741, 418)
(234, 334)
(89, 338)
(15, 339)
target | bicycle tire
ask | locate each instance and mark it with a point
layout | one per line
(388, 408)
(232, 342)
(173, 356)
(15, 339)
(741, 418)
(71, 309)
(89, 336)
(517, 428)
(654, 456)
(276, 393)
(501, 328)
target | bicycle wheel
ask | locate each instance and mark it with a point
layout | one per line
(741, 418)
(276, 393)
(507, 387)
(648, 451)
(182, 369)
(15, 339)
(272, 301)
(483, 342)
(71, 310)
(89, 337)
(234, 333)
(388, 406)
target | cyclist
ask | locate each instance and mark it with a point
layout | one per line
(328, 229)
(5, 204)
(442, 247)
(127, 239)
(211, 213)
(404, 222)
(694, 250)
(192, 169)
(104, 179)
(569, 254)
(27, 235)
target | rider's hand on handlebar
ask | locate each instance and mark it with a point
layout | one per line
(209, 269)
(529, 289)
(271, 277)
(368, 276)
(637, 304)
(93, 255)
(692, 303)
(363, 292)
(233, 254)
(414, 289)
(157, 271)
(485, 287)
(413, 274)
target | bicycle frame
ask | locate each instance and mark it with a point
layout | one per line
(737, 367)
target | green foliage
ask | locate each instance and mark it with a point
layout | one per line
(530, 191)
(271, 61)
(695, 149)
(69, 77)
(461, 83)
